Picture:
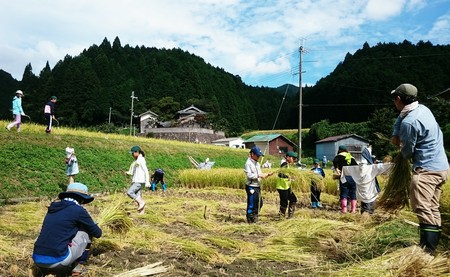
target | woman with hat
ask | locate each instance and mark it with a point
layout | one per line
(17, 111)
(66, 233)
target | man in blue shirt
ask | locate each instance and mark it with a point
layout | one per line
(419, 137)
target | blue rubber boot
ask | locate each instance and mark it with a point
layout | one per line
(153, 186)
(164, 187)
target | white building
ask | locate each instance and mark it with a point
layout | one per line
(234, 142)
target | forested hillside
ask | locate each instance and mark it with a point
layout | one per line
(362, 83)
(103, 76)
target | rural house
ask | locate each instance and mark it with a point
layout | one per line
(189, 124)
(273, 144)
(329, 146)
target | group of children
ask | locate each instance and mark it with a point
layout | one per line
(138, 171)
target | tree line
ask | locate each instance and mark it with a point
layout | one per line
(96, 86)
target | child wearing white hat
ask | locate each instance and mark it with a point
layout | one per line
(71, 164)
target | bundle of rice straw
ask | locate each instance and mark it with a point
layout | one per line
(115, 219)
(396, 192)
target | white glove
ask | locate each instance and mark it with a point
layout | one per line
(147, 185)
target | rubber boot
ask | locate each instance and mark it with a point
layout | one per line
(429, 237)
(164, 187)
(313, 205)
(9, 126)
(141, 204)
(153, 187)
(344, 205)
(353, 205)
(291, 209)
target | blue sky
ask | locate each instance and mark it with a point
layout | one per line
(257, 40)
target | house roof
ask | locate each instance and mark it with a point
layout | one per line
(267, 138)
(341, 137)
(225, 139)
(191, 110)
(150, 113)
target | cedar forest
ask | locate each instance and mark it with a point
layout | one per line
(354, 98)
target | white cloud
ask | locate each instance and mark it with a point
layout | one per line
(253, 39)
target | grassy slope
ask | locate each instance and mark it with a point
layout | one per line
(32, 162)
(195, 230)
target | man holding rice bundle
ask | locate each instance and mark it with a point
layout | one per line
(420, 138)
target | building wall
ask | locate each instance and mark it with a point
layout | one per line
(329, 149)
(196, 135)
(277, 145)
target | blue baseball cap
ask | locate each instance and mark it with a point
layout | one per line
(257, 151)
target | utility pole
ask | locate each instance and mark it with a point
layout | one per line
(300, 105)
(109, 117)
(132, 113)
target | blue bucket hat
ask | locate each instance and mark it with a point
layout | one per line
(77, 190)
(257, 151)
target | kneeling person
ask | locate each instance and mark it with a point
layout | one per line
(66, 232)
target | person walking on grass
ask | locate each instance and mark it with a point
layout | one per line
(347, 189)
(288, 200)
(252, 169)
(49, 113)
(17, 111)
(420, 138)
(71, 164)
(139, 177)
(315, 190)
(64, 240)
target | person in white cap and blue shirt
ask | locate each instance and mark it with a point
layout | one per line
(17, 111)
(66, 233)
(252, 169)
(420, 138)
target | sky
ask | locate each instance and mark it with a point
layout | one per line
(257, 40)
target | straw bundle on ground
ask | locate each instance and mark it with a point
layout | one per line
(396, 192)
(115, 219)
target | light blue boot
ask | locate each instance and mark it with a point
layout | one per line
(164, 187)
(314, 205)
(153, 186)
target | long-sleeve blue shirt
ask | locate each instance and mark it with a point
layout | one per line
(62, 222)
(422, 139)
(17, 105)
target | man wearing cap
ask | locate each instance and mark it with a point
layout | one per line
(66, 232)
(288, 199)
(254, 175)
(17, 111)
(315, 189)
(347, 189)
(420, 138)
(49, 113)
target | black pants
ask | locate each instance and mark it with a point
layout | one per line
(286, 197)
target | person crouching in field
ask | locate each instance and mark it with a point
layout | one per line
(253, 172)
(64, 241)
(140, 177)
(158, 177)
(288, 200)
(71, 164)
